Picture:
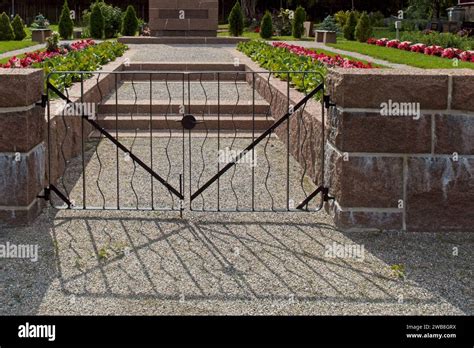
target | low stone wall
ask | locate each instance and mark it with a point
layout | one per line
(24, 137)
(306, 126)
(66, 132)
(22, 146)
(413, 173)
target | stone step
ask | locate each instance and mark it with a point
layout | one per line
(161, 122)
(127, 134)
(196, 107)
(184, 71)
(230, 92)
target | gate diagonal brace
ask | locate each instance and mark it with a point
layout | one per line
(320, 189)
(120, 146)
(52, 188)
(267, 133)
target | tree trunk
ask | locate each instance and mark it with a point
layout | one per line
(249, 8)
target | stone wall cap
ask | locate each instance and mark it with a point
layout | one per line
(403, 72)
(19, 71)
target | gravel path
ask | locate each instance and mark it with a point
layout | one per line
(182, 53)
(112, 263)
(21, 51)
(140, 263)
(356, 55)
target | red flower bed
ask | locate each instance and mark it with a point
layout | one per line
(418, 48)
(449, 53)
(31, 58)
(393, 43)
(467, 56)
(336, 61)
(382, 42)
(405, 45)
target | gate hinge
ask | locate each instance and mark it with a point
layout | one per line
(47, 194)
(43, 102)
(326, 196)
(327, 101)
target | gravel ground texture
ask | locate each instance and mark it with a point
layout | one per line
(156, 263)
(183, 53)
(130, 263)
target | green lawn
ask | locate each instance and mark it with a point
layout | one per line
(6, 46)
(400, 57)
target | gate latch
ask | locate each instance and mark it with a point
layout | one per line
(327, 101)
(43, 102)
(189, 122)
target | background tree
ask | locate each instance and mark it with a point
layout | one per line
(18, 28)
(66, 25)
(6, 30)
(427, 9)
(266, 27)
(349, 28)
(298, 22)
(363, 30)
(236, 20)
(130, 22)
(97, 22)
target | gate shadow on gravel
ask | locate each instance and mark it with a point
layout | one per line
(279, 263)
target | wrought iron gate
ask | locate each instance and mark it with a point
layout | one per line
(224, 141)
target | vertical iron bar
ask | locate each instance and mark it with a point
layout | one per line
(82, 145)
(184, 140)
(218, 140)
(181, 201)
(253, 139)
(288, 144)
(323, 151)
(151, 142)
(117, 137)
(49, 133)
(189, 133)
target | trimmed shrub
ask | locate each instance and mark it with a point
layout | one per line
(298, 22)
(130, 22)
(349, 28)
(341, 18)
(266, 27)
(66, 25)
(329, 24)
(97, 23)
(236, 20)
(363, 30)
(376, 19)
(112, 19)
(18, 28)
(6, 30)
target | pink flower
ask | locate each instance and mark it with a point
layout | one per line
(405, 45)
(336, 61)
(393, 43)
(434, 50)
(449, 53)
(382, 42)
(372, 41)
(418, 48)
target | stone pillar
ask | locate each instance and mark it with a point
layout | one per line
(184, 17)
(22, 146)
(402, 171)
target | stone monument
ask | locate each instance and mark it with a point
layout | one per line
(184, 18)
